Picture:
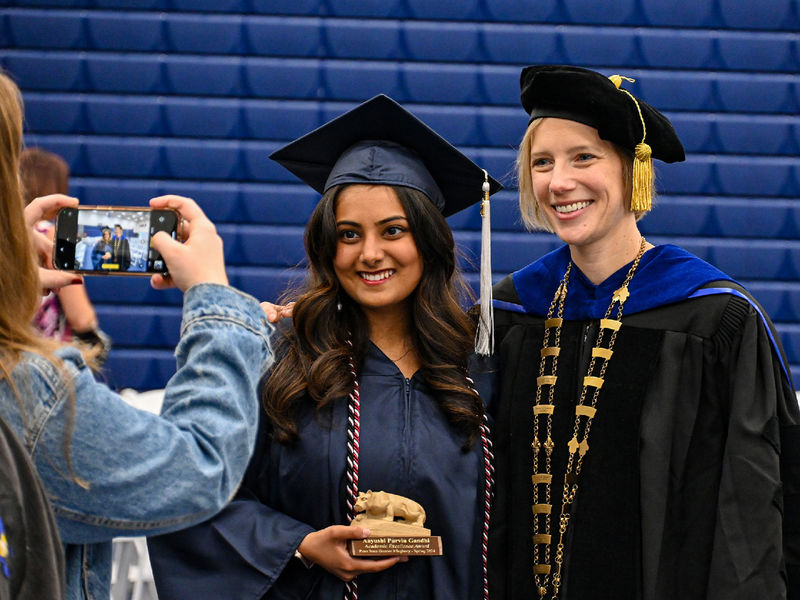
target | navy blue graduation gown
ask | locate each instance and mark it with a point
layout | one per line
(690, 487)
(407, 447)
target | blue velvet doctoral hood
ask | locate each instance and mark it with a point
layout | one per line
(666, 274)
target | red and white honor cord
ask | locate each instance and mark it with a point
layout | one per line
(353, 436)
(353, 442)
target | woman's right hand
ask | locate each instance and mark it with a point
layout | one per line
(276, 312)
(328, 549)
(199, 259)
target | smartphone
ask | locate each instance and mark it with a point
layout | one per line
(111, 240)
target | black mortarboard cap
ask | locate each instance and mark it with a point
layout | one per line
(380, 142)
(593, 99)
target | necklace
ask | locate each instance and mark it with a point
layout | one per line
(578, 446)
(401, 357)
(353, 447)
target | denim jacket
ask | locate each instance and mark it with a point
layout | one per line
(132, 472)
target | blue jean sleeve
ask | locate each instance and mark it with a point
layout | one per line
(136, 473)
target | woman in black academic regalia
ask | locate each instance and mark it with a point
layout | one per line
(645, 419)
(370, 391)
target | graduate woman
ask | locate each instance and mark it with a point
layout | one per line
(370, 391)
(643, 392)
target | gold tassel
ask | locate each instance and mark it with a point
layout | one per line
(642, 185)
(641, 193)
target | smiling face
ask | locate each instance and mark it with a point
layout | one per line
(377, 261)
(578, 182)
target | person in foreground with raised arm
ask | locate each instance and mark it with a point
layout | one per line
(109, 469)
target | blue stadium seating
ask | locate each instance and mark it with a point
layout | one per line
(148, 326)
(667, 13)
(776, 14)
(205, 34)
(431, 41)
(126, 31)
(367, 39)
(147, 97)
(505, 43)
(604, 12)
(43, 29)
(291, 37)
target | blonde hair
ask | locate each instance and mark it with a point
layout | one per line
(529, 205)
(19, 280)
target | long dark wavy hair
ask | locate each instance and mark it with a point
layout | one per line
(314, 355)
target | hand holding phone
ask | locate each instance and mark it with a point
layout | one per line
(45, 207)
(200, 258)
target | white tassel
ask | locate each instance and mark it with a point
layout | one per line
(484, 345)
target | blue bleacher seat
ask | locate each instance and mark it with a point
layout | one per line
(790, 338)
(457, 124)
(467, 10)
(277, 204)
(247, 245)
(673, 216)
(758, 176)
(755, 134)
(668, 13)
(289, 7)
(128, 73)
(762, 93)
(757, 259)
(123, 157)
(676, 48)
(45, 29)
(697, 132)
(442, 83)
(366, 8)
(281, 78)
(203, 117)
(502, 127)
(607, 46)
(39, 70)
(205, 34)
(151, 326)
(202, 159)
(605, 12)
(762, 52)
(357, 81)
(781, 300)
(674, 90)
(266, 283)
(437, 41)
(133, 4)
(284, 36)
(277, 120)
(204, 75)
(256, 165)
(129, 290)
(530, 12)
(531, 44)
(776, 14)
(54, 113)
(504, 215)
(362, 38)
(501, 85)
(115, 115)
(229, 6)
(125, 31)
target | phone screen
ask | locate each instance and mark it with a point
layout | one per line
(111, 240)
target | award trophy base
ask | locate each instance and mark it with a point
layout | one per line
(395, 539)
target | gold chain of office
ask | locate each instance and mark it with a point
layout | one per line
(578, 446)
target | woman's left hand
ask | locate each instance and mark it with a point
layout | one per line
(46, 207)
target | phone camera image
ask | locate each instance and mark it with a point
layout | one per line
(106, 240)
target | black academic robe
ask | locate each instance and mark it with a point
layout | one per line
(407, 446)
(681, 491)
